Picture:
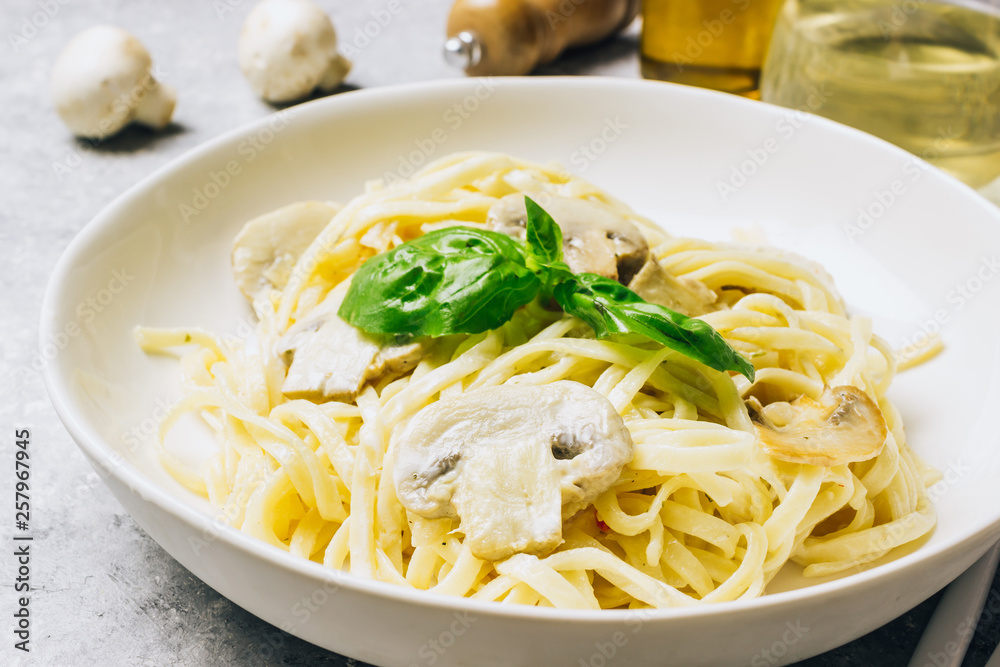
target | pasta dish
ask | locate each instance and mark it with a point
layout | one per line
(495, 380)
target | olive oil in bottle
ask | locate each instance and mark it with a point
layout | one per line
(925, 76)
(717, 44)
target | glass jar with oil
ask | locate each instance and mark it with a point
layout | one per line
(922, 74)
(717, 44)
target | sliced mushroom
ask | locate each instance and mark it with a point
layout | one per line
(330, 360)
(512, 462)
(266, 249)
(655, 285)
(844, 426)
(595, 239)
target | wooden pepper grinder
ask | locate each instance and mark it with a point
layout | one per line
(512, 37)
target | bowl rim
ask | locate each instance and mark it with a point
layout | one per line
(103, 456)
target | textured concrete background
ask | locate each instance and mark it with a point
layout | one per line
(103, 592)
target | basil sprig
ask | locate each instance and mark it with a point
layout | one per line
(464, 281)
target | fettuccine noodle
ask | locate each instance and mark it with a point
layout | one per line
(701, 513)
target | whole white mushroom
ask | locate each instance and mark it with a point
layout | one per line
(103, 80)
(288, 48)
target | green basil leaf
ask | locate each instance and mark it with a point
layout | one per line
(455, 280)
(611, 308)
(544, 246)
(545, 239)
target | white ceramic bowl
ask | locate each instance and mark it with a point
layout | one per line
(903, 241)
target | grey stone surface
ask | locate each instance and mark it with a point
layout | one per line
(102, 591)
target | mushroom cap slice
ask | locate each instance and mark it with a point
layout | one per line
(330, 359)
(267, 248)
(512, 462)
(844, 426)
(685, 295)
(595, 238)
(509, 501)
